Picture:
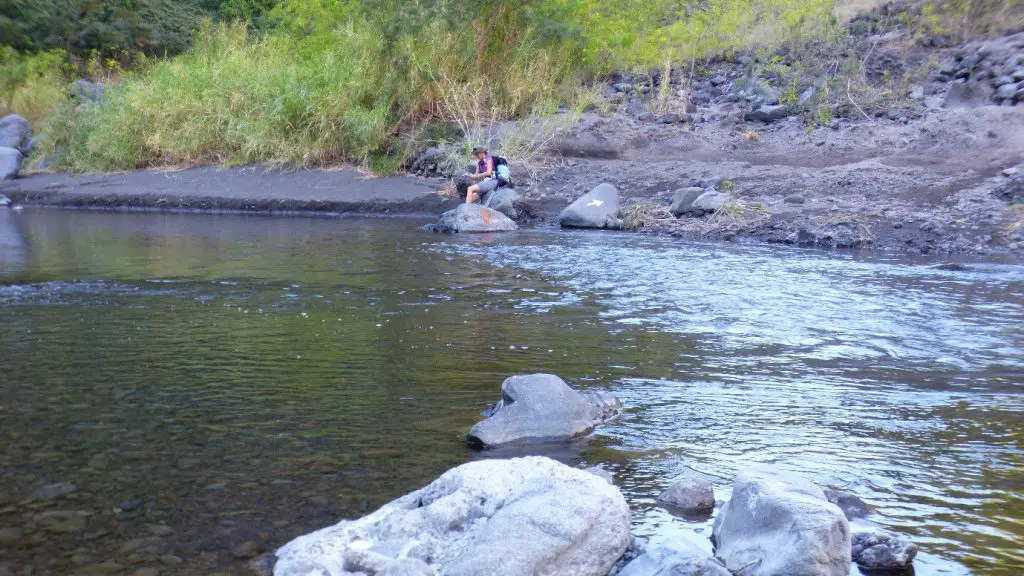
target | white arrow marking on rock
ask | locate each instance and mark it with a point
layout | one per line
(595, 203)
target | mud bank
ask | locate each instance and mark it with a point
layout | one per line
(248, 189)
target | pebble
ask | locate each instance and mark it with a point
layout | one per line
(81, 559)
(246, 550)
(137, 544)
(319, 500)
(281, 523)
(160, 530)
(53, 491)
(10, 535)
(109, 567)
(170, 560)
(146, 572)
(215, 486)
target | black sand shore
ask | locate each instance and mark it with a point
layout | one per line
(248, 189)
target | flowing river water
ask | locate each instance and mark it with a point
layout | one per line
(184, 391)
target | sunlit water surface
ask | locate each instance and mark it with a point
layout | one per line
(249, 378)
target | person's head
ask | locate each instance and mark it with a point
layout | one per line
(480, 152)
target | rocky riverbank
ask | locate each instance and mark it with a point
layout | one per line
(533, 515)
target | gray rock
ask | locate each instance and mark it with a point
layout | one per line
(1006, 92)
(794, 199)
(541, 408)
(807, 95)
(710, 201)
(10, 163)
(711, 182)
(968, 95)
(682, 559)
(718, 80)
(1002, 81)
(623, 87)
(473, 218)
(880, 550)
(503, 200)
(407, 567)
(768, 113)
(690, 496)
(52, 491)
(85, 91)
(933, 102)
(636, 108)
(670, 118)
(851, 505)
(595, 209)
(916, 93)
(779, 523)
(4, 201)
(682, 200)
(515, 517)
(247, 549)
(15, 132)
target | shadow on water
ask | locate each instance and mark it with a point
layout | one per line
(251, 379)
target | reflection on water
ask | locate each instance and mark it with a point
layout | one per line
(250, 379)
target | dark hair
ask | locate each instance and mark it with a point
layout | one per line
(478, 150)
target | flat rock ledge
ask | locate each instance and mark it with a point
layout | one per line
(540, 408)
(515, 517)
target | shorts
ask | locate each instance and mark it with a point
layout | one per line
(487, 185)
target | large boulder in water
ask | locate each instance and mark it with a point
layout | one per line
(15, 132)
(503, 200)
(516, 517)
(681, 559)
(474, 218)
(10, 163)
(541, 408)
(595, 209)
(689, 495)
(779, 523)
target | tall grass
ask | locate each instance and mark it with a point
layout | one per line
(347, 81)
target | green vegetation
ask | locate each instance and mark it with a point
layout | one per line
(313, 82)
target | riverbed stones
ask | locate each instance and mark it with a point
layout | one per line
(52, 491)
(536, 408)
(881, 550)
(780, 523)
(681, 559)
(682, 200)
(474, 218)
(10, 163)
(515, 517)
(689, 495)
(595, 209)
(503, 200)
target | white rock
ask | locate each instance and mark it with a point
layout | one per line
(516, 517)
(779, 523)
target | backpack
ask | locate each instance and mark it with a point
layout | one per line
(502, 171)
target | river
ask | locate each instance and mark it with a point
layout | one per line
(221, 379)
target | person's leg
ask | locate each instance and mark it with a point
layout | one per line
(472, 194)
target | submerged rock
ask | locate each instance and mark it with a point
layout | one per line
(690, 496)
(780, 523)
(503, 200)
(851, 505)
(879, 550)
(681, 559)
(595, 209)
(468, 218)
(514, 517)
(542, 408)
